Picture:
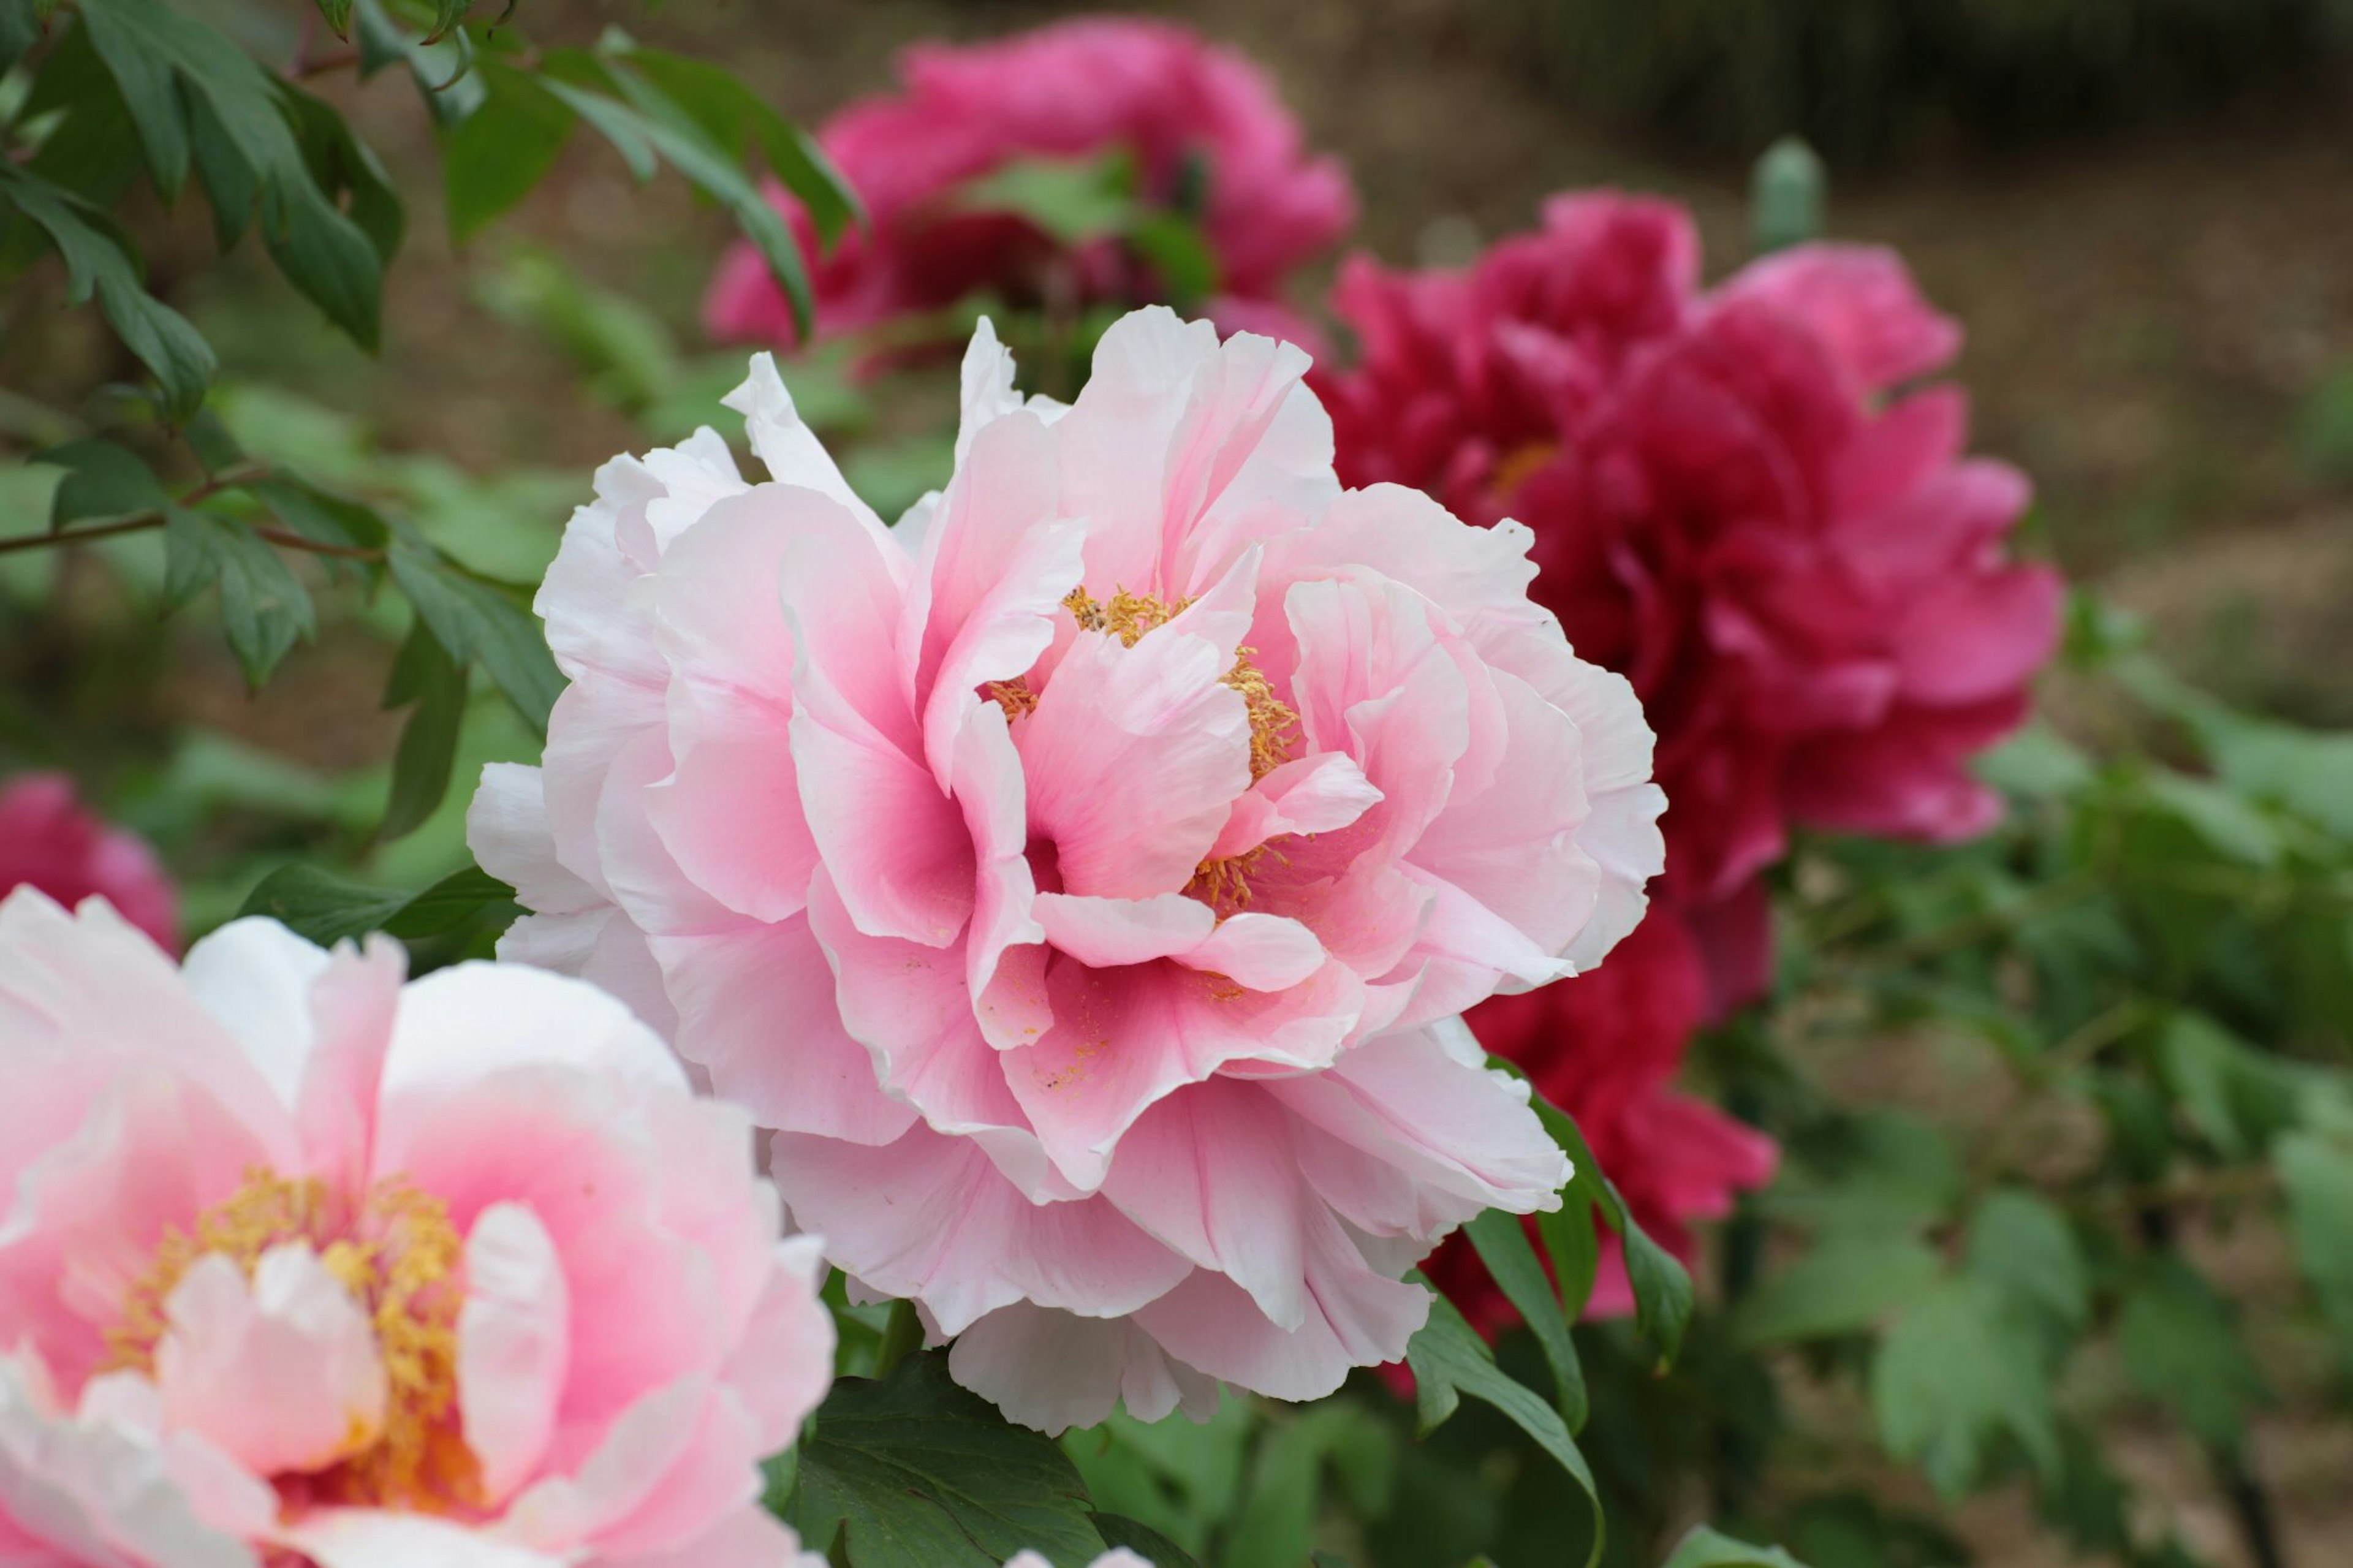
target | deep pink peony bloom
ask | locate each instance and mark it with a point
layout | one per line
(1605, 1047)
(1203, 124)
(1084, 875)
(50, 841)
(301, 1265)
(1733, 505)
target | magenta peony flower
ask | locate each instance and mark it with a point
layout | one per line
(1605, 1047)
(302, 1265)
(49, 841)
(1207, 130)
(1082, 877)
(1733, 505)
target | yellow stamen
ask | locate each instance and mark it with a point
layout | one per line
(1519, 465)
(398, 1255)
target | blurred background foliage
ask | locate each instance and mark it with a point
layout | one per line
(2060, 1266)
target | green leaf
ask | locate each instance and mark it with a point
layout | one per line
(1704, 1548)
(1949, 1379)
(1572, 1244)
(2180, 1346)
(2233, 1094)
(166, 61)
(1450, 1360)
(2230, 823)
(20, 29)
(1663, 1290)
(1145, 1541)
(736, 118)
(426, 675)
(338, 15)
(914, 1471)
(447, 14)
(1503, 1247)
(1072, 200)
(1786, 195)
(651, 125)
(328, 910)
(2022, 1246)
(442, 73)
(496, 157)
(1847, 1284)
(347, 170)
(2318, 1174)
(324, 518)
(1179, 252)
(481, 622)
(98, 260)
(102, 480)
(265, 609)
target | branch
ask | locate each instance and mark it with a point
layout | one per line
(227, 479)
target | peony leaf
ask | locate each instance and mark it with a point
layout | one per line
(2181, 1344)
(1663, 1290)
(2318, 1173)
(1705, 1548)
(265, 609)
(1450, 1360)
(102, 480)
(1145, 1541)
(98, 260)
(1845, 1285)
(480, 621)
(1502, 1246)
(327, 910)
(496, 157)
(912, 1472)
(1952, 1376)
(426, 675)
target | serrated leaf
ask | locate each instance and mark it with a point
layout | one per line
(914, 1471)
(2182, 1346)
(1950, 1378)
(1846, 1284)
(2317, 1172)
(1502, 1246)
(481, 622)
(265, 609)
(102, 480)
(497, 155)
(99, 262)
(1450, 1360)
(327, 910)
(1705, 1548)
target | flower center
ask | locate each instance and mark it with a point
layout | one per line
(397, 1252)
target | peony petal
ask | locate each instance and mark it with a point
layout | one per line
(513, 1346)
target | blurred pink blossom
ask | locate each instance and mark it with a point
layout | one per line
(303, 1264)
(1208, 132)
(1084, 875)
(50, 841)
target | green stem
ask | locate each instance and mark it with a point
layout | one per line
(902, 1337)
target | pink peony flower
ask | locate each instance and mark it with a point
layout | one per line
(302, 1266)
(1605, 1047)
(1208, 132)
(1735, 506)
(1082, 876)
(49, 841)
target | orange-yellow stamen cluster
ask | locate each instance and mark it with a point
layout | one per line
(401, 1258)
(1223, 884)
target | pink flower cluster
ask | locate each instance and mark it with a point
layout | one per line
(1207, 133)
(1738, 504)
(50, 840)
(1083, 875)
(299, 1263)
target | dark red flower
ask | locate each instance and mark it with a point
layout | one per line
(50, 841)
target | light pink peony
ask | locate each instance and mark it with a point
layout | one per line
(50, 840)
(1207, 130)
(302, 1266)
(1083, 875)
(1738, 503)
